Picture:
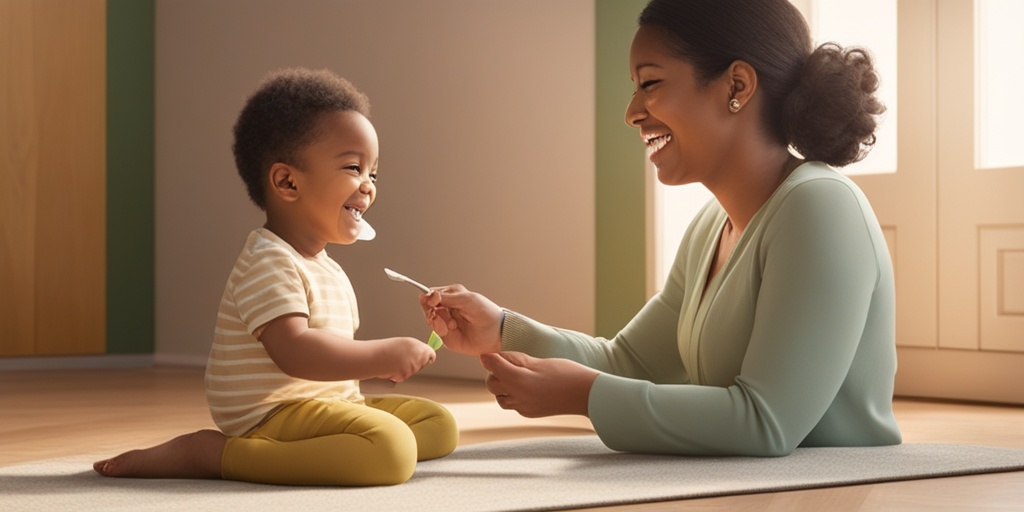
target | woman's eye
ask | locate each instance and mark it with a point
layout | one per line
(644, 85)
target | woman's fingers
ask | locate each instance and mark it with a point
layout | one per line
(467, 321)
(516, 359)
(429, 303)
(538, 387)
(505, 371)
(443, 302)
(496, 364)
(493, 363)
(441, 321)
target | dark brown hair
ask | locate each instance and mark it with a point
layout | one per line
(819, 101)
(282, 116)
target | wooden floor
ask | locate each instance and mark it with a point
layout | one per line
(51, 413)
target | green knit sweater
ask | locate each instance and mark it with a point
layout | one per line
(792, 343)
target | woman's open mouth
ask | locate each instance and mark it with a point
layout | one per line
(655, 142)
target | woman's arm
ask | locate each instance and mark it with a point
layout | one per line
(646, 348)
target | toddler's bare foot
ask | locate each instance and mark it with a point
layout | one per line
(195, 455)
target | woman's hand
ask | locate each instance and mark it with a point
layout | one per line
(468, 322)
(404, 357)
(538, 387)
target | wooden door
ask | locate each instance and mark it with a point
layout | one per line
(52, 167)
(980, 349)
(957, 228)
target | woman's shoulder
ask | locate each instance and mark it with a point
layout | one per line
(816, 184)
(813, 170)
(817, 196)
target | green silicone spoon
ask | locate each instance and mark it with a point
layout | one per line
(435, 341)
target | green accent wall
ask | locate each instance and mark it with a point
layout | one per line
(620, 230)
(130, 175)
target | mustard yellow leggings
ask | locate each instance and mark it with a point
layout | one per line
(318, 442)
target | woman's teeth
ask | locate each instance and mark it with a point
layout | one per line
(656, 143)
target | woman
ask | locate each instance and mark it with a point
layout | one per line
(775, 328)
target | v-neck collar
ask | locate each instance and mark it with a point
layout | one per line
(691, 321)
(702, 296)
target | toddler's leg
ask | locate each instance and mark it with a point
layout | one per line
(195, 455)
(324, 443)
(436, 433)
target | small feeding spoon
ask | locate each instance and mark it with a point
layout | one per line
(435, 341)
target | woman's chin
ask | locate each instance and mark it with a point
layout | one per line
(673, 177)
(668, 179)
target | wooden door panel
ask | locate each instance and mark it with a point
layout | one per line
(18, 169)
(53, 261)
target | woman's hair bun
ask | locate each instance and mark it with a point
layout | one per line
(831, 114)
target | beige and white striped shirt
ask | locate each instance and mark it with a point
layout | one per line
(271, 279)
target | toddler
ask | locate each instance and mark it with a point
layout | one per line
(282, 380)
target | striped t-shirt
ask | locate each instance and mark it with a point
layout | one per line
(271, 279)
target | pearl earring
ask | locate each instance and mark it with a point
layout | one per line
(734, 105)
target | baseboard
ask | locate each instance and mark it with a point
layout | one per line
(452, 366)
(180, 360)
(105, 361)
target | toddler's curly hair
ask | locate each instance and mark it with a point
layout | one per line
(282, 116)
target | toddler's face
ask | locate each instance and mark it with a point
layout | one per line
(339, 170)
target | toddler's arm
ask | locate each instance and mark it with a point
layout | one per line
(315, 354)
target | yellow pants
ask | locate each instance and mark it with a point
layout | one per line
(317, 442)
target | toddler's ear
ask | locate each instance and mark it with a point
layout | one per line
(282, 182)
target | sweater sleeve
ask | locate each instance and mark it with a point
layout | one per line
(818, 272)
(644, 349)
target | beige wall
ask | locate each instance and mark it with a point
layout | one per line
(485, 111)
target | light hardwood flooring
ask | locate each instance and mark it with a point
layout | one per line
(54, 413)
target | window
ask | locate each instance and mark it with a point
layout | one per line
(999, 67)
(867, 23)
(870, 24)
(994, 142)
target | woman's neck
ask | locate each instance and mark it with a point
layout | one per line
(749, 181)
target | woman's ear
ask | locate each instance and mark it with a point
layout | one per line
(283, 182)
(743, 82)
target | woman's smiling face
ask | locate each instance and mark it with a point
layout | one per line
(682, 121)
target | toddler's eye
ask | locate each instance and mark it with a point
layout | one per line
(373, 177)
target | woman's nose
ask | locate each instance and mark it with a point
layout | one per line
(635, 111)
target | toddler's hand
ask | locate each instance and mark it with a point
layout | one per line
(405, 357)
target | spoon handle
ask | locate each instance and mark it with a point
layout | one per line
(395, 276)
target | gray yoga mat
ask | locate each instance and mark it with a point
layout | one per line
(525, 474)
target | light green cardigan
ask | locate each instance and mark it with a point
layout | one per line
(793, 343)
